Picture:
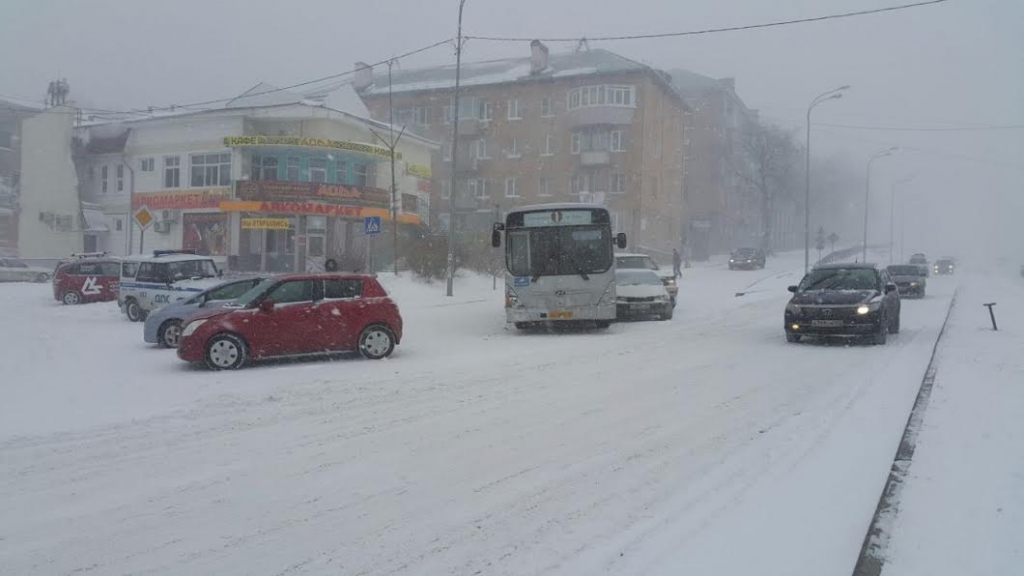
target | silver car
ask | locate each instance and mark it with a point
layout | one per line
(163, 325)
(14, 270)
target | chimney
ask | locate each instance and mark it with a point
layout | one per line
(363, 77)
(538, 57)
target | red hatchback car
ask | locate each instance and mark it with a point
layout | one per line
(295, 315)
(86, 278)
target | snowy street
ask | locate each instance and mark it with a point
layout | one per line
(701, 445)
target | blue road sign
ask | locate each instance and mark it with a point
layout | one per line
(371, 225)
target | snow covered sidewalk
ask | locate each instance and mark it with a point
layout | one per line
(962, 509)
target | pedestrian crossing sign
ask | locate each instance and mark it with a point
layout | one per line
(371, 225)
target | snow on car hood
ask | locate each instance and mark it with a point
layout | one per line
(833, 296)
(198, 285)
(640, 290)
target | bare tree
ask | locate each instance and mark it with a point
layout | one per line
(767, 161)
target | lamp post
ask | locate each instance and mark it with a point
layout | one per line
(455, 156)
(892, 213)
(867, 194)
(830, 95)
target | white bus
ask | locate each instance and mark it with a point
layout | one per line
(559, 264)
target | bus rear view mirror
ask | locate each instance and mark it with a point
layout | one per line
(620, 240)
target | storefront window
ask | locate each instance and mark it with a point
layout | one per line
(293, 168)
(318, 169)
(365, 175)
(206, 233)
(342, 175)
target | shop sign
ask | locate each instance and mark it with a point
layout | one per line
(315, 209)
(181, 200)
(423, 185)
(360, 147)
(319, 191)
(266, 223)
(418, 171)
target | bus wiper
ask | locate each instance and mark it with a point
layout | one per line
(579, 269)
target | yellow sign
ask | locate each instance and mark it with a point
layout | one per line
(361, 147)
(143, 217)
(266, 223)
(418, 171)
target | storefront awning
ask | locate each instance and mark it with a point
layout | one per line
(95, 222)
(316, 209)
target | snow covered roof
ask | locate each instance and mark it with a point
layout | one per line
(566, 65)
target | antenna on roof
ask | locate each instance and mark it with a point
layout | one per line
(582, 45)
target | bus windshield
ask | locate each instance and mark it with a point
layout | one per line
(559, 251)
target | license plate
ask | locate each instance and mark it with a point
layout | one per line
(639, 306)
(827, 323)
(559, 315)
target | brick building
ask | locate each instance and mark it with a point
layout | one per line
(588, 126)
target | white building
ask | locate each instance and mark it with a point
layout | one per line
(271, 182)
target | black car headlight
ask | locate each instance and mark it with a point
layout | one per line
(793, 308)
(868, 308)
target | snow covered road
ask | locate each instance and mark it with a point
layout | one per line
(701, 445)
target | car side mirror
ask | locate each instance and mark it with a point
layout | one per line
(620, 240)
(890, 288)
(267, 305)
(792, 289)
(496, 239)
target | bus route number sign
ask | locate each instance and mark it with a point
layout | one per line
(558, 218)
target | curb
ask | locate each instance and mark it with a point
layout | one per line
(871, 559)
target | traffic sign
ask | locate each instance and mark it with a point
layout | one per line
(371, 225)
(143, 217)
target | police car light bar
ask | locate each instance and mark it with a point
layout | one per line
(158, 253)
(89, 255)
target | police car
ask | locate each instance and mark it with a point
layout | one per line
(150, 282)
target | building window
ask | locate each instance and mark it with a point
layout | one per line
(118, 224)
(478, 188)
(514, 112)
(211, 169)
(292, 168)
(120, 177)
(267, 166)
(576, 144)
(446, 151)
(511, 187)
(545, 186)
(549, 146)
(618, 183)
(92, 173)
(547, 108)
(486, 111)
(172, 171)
(418, 115)
(616, 221)
(513, 149)
(103, 179)
(481, 149)
(6, 140)
(618, 141)
(601, 96)
(147, 165)
(470, 108)
(446, 190)
(318, 169)
(366, 175)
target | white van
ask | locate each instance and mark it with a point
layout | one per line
(151, 282)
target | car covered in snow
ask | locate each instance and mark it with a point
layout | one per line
(746, 259)
(641, 294)
(295, 315)
(854, 300)
(911, 280)
(624, 261)
(149, 282)
(943, 266)
(85, 278)
(921, 260)
(163, 325)
(17, 270)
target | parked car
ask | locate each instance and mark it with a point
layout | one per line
(295, 315)
(922, 261)
(944, 266)
(641, 294)
(86, 278)
(16, 270)
(844, 300)
(149, 282)
(747, 259)
(163, 325)
(911, 280)
(625, 261)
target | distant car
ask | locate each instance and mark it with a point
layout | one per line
(149, 282)
(855, 300)
(645, 262)
(16, 270)
(746, 259)
(921, 260)
(163, 326)
(86, 278)
(295, 315)
(910, 279)
(944, 266)
(641, 294)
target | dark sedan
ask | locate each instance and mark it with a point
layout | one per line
(944, 266)
(858, 300)
(746, 259)
(911, 280)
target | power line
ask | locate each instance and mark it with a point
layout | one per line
(715, 30)
(923, 128)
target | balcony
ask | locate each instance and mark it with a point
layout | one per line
(598, 115)
(470, 127)
(596, 158)
(467, 164)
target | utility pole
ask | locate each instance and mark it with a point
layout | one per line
(455, 155)
(867, 194)
(391, 144)
(830, 95)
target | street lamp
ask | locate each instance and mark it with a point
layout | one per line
(455, 156)
(867, 193)
(830, 95)
(892, 211)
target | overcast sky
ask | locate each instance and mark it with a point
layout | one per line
(960, 63)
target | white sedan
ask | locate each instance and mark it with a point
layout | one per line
(14, 270)
(641, 294)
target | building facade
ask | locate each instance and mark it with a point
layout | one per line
(269, 187)
(588, 126)
(11, 117)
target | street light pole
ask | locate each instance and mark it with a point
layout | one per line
(830, 95)
(892, 213)
(455, 156)
(867, 195)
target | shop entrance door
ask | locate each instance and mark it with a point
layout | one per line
(280, 249)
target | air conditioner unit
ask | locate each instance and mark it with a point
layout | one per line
(162, 226)
(169, 216)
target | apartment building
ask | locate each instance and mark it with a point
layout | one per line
(11, 116)
(589, 126)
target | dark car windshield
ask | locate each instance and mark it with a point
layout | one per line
(746, 252)
(635, 262)
(559, 251)
(841, 279)
(906, 271)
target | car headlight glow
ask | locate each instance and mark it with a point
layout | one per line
(670, 282)
(192, 327)
(863, 309)
(795, 309)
